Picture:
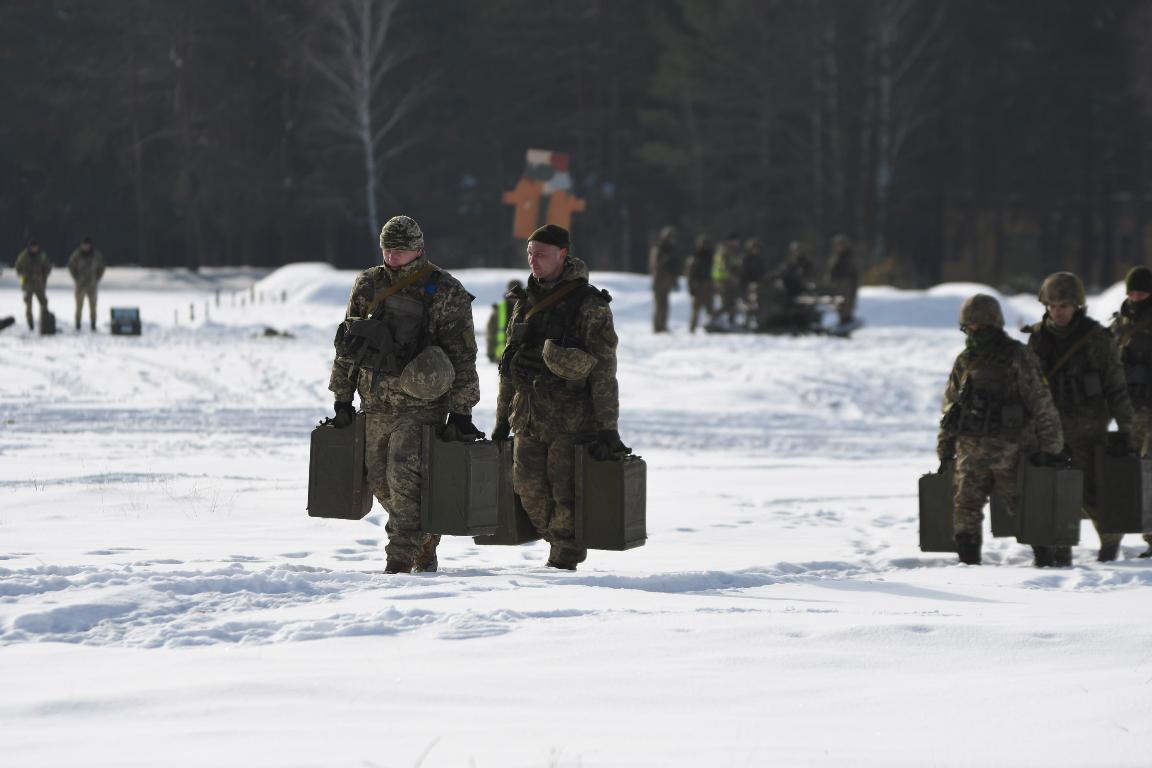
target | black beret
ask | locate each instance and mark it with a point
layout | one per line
(1138, 279)
(552, 235)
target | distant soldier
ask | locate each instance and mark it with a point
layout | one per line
(843, 278)
(995, 406)
(33, 266)
(796, 272)
(86, 265)
(558, 388)
(1084, 375)
(497, 336)
(699, 273)
(752, 271)
(424, 375)
(1132, 330)
(726, 267)
(664, 263)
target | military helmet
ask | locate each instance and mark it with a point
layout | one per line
(668, 233)
(841, 241)
(1062, 288)
(704, 240)
(981, 309)
(753, 245)
(1138, 279)
(796, 247)
(401, 233)
(429, 375)
(568, 363)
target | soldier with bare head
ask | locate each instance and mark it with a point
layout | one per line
(422, 373)
(558, 388)
(86, 265)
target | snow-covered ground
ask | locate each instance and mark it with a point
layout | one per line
(166, 601)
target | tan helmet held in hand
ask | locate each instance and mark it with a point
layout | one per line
(429, 375)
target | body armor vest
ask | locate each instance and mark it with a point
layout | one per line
(989, 402)
(1136, 355)
(1076, 383)
(523, 358)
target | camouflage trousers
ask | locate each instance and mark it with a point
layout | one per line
(1142, 437)
(701, 302)
(730, 292)
(41, 296)
(393, 456)
(544, 476)
(86, 292)
(983, 465)
(1082, 446)
(661, 287)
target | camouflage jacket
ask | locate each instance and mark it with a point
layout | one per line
(449, 327)
(664, 262)
(542, 412)
(1132, 332)
(842, 269)
(86, 268)
(999, 377)
(33, 268)
(1082, 368)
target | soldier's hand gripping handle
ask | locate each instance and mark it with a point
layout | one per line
(609, 446)
(946, 464)
(459, 429)
(502, 431)
(345, 414)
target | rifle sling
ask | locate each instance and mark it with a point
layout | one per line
(554, 297)
(382, 296)
(1072, 350)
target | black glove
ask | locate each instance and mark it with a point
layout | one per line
(946, 464)
(502, 431)
(345, 415)
(1117, 445)
(608, 446)
(460, 429)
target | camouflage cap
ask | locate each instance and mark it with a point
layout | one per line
(568, 363)
(1062, 288)
(429, 375)
(981, 309)
(401, 233)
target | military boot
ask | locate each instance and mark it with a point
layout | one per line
(1042, 557)
(560, 564)
(426, 561)
(968, 547)
(1109, 551)
(1061, 557)
(395, 565)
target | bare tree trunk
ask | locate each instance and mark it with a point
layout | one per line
(137, 141)
(835, 139)
(886, 39)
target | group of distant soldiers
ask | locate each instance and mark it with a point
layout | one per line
(733, 286)
(86, 265)
(1048, 402)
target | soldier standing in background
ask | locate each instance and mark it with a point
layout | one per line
(1132, 331)
(843, 277)
(33, 266)
(427, 377)
(664, 264)
(86, 265)
(699, 273)
(726, 263)
(558, 388)
(1084, 375)
(994, 403)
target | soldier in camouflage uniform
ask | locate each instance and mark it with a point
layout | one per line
(86, 265)
(664, 264)
(1084, 375)
(699, 274)
(1132, 330)
(33, 267)
(995, 405)
(428, 377)
(843, 278)
(558, 388)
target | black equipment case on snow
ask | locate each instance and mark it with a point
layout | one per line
(47, 323)
(611, 499)
(1123, 492)
(125, 321)
(936, 499)
(512, 523)
(337, 478)
(459, 487)
(1050, 505)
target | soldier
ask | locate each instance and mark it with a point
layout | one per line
(726, 265)
(751, 277)
(664, 263)
(497, 337)
(995, 405)
(699, 273)
(1132, 330)
(33, 266)
(843, 278)
(558, 388)
(86, 266)
(1083, 371)
(425, 375)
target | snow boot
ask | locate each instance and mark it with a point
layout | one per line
(968, 547)
(1109, 551)
(1061, 557)
(426, 561)
(1042, 557)
(397, 566)
(562, 566)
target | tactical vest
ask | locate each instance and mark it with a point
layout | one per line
(1075, 383)
(989, 402)
(1135, 338)
(523, 358)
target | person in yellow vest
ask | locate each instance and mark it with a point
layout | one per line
(86, 265)
(726, 268)
(498, 321)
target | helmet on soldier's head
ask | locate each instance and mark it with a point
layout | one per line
(841, 241)
(796, 247)
(1062, 288)
(981, 309)
(401, 233)
(568, 363)
(429, 375)
(753, 245)
(1138, 279)
(668, 233)
(704, 240)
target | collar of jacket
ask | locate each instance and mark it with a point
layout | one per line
(1062, 333)
(410, 268)
(574, 269)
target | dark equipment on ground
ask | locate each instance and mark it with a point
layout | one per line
(460, 486)
(611, 500)
(47, 323)
(5, 322)
(936, 501)
(1123, 488)
(126, 321)
(512, 523)
(777, 313)
(1051, 498)
(337, 477)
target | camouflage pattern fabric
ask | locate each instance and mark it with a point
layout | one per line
(843, 279)
(700, 286)
(393, 453)
(33, 269)
(86, 269)
(1131, 330)
(88, 292)
(401, 233)
(544, 476)
(983, 465)
(664, 264)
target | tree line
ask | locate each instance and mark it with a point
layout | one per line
(986, 139)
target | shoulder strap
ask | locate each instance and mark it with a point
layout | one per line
(379, 299)
(554, 297)
(1072, 350)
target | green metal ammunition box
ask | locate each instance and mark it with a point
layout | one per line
(936, 501)
(611, 500)
(47, 323)
(125, 321)
(1050, 503)
(460, 486)
(337, 478)
(1123, 493)
(512, 523)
